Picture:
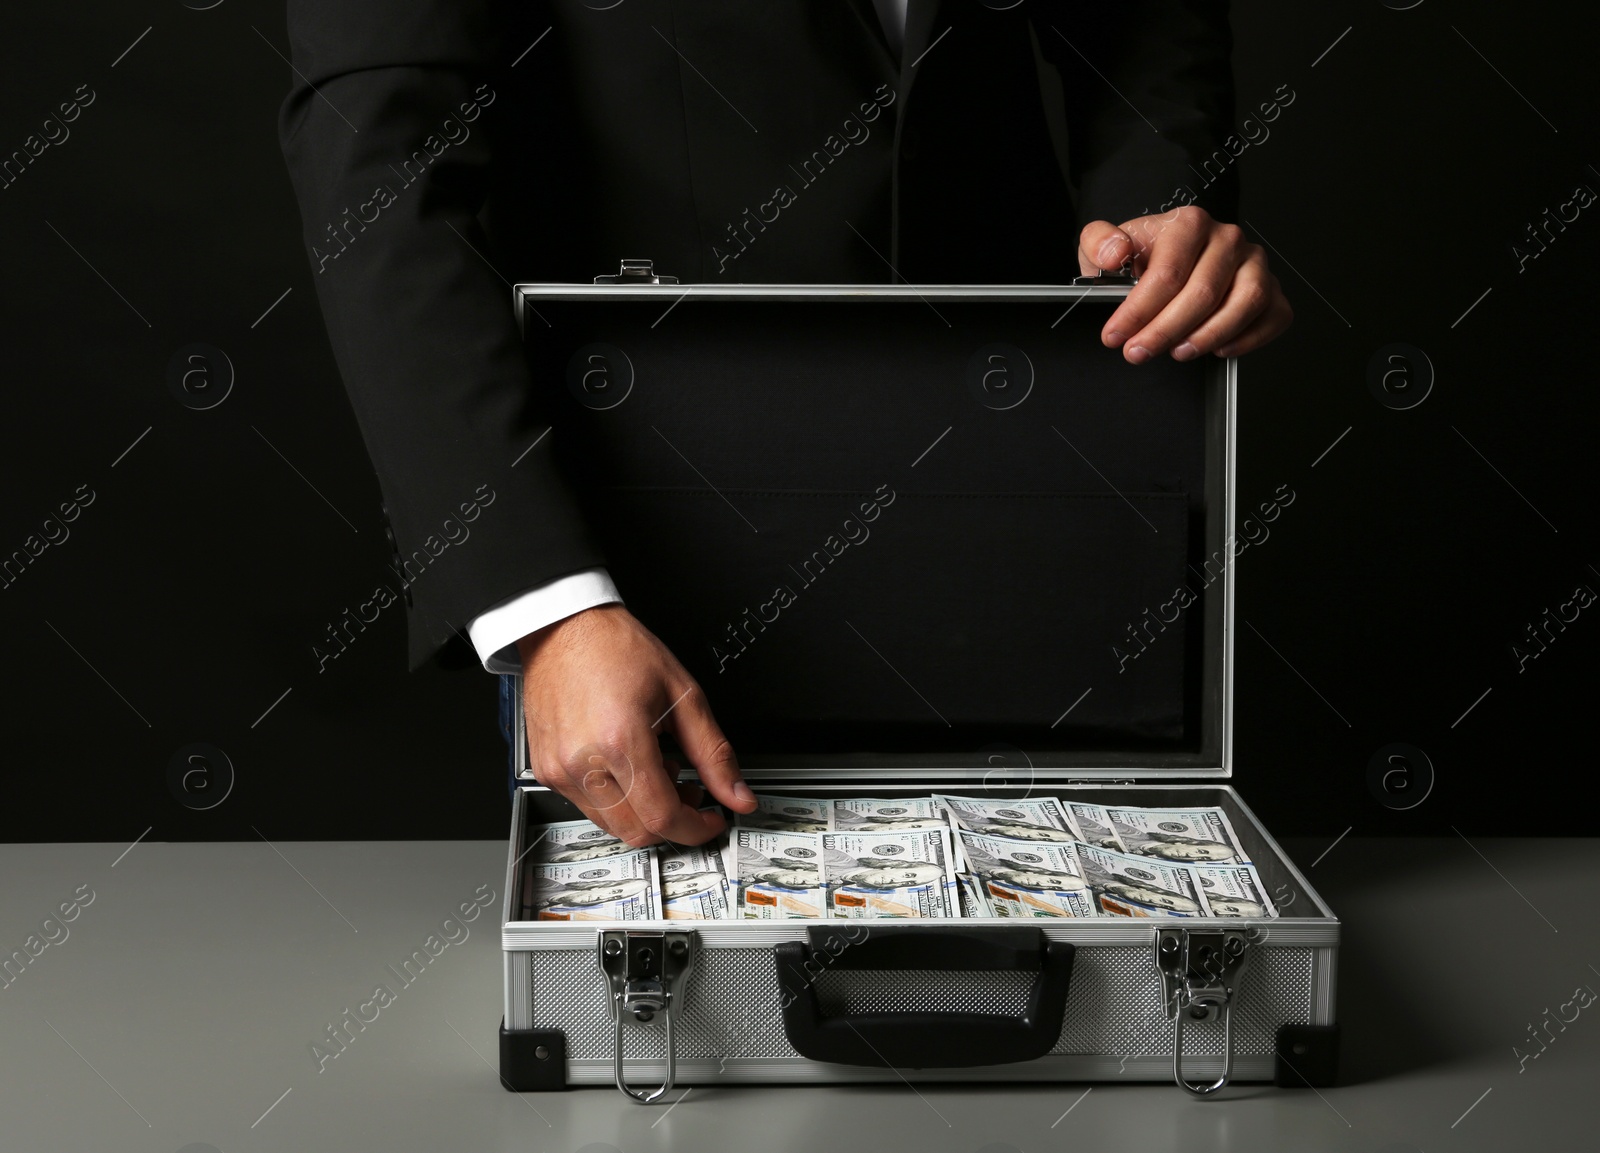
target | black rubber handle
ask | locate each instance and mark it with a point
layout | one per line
(923, 1040)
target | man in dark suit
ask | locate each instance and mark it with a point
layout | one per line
(442, 148)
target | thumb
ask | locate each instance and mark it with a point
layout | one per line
(706, 747)
(1102, 245)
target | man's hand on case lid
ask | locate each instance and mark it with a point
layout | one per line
(1202, 286)
(597, 689)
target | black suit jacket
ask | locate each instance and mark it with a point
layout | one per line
(442, 149)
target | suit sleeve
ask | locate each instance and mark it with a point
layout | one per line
(387, 134)
(1148, 90)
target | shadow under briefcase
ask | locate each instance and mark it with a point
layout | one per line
(914, 540)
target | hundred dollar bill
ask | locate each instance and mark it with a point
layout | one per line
(1033, 819)
(973, 901)
(906, 873)
(616, 888)
(1192, 835)
(1029, 878)
(693, 885)
(778, 875)
(788, 814)
(1234, 891)
(573, 841)
(1094, 826)
(1128, 886)
(867, 814)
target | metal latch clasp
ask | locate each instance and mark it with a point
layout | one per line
(1200, 971)
(637, 272)
(645, 973)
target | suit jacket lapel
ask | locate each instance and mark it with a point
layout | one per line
(867, 13)
(923, 27)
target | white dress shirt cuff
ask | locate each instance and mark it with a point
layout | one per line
(495, 632)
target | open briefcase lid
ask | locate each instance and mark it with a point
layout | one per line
(928, 531)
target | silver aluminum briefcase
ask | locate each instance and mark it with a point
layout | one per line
(644, 1005)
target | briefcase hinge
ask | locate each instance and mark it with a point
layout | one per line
(645, 974)
(1199, 973)
(637, 272)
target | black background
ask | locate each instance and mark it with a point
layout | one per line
(1381, 607)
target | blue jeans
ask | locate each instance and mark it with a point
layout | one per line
(508, 704)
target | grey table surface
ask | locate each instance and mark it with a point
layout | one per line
(178, 1009)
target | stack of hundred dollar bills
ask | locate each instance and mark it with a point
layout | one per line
(905, 857)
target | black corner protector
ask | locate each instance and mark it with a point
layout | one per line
(1307, 1056)
(532, 1060)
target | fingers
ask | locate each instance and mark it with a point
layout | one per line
(1168, 247)
(629, 794)
(1202, 288)
(708, 750)
(1255, 306)
(1253, 311)
(658, 808)
(1278, 316)
(1212, 292)
(585, 778)
(594, 687)
(1102, 245)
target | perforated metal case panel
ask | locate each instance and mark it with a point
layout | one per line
(732, 1011)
